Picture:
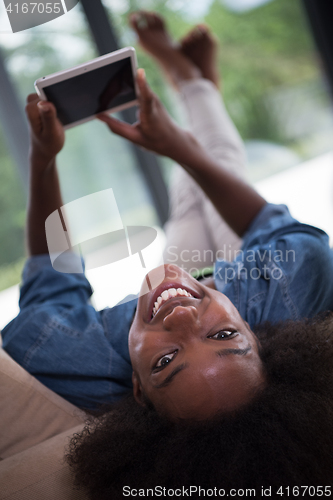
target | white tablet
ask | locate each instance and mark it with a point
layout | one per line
(106, 83)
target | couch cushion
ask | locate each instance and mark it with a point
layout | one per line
(30, 413)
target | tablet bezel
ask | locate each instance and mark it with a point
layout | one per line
(92, 65)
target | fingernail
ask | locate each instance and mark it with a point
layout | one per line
(142, 73)
(141, 21)
(44, 106)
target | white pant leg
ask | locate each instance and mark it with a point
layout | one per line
(188, 241)
(195, 226)
(211, 125)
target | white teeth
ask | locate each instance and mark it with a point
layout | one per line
(168, 294)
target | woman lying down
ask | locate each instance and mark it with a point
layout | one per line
(231, 383)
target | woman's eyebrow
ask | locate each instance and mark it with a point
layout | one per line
(227, 352)
(171, 375)
(179, 368)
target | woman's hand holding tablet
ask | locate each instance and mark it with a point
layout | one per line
(107, 83)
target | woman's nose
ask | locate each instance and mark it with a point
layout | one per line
(180, 317)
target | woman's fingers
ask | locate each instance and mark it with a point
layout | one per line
(32, 98)
(123, 129)
(32, 112)
(146, 97)
(42, 115)
(46, 131)
(48, 116)
(140, 132)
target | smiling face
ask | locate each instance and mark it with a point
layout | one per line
(192, 354)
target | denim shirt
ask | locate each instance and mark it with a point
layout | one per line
(284, 271)
(78, 352)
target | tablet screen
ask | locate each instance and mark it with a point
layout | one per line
(93, 92)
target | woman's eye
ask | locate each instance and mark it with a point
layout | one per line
(223, 334)
(165, 360)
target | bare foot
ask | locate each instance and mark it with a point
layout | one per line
(155, 39)
(200, 46)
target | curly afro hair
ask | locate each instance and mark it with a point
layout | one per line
(284, 437)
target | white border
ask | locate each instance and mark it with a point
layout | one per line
(99, 62)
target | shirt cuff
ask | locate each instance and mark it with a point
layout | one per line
(269, 211)
(36, 263)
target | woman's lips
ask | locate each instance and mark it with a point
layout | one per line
(166, 286)
(168, 306)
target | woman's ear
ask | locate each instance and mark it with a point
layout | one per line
(137, 390)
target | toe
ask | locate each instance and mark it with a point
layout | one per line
(158, 21)
(187, 40)
(134, 20)
(202, 28)
(150, 20)
(139, 20)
